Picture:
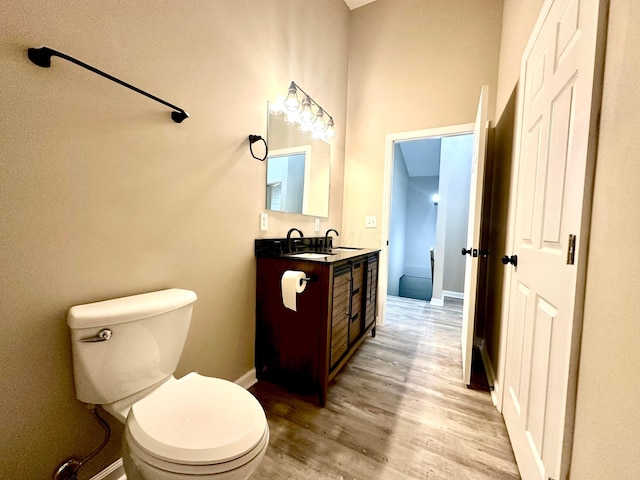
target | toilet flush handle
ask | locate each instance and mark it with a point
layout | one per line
(102, 336)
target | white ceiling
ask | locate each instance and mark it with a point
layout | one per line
(353, 4)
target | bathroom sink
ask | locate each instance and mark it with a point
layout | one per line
(347, 248)
(310, 255)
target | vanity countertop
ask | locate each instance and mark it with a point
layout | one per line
(307, 249)
(336, 254)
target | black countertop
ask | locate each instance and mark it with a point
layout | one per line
(336, 254)
(307, 249)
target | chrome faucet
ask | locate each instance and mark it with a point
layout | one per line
(289, 242)
(326, 236)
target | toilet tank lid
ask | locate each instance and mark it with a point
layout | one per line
(129, 309)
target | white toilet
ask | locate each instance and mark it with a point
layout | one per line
(125, 352)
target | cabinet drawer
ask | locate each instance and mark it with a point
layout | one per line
(358, 275)
(356, 304)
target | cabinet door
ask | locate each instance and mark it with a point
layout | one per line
(370, 293)
(340, 315)
(356, 326)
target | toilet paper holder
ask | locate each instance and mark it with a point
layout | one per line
(311, 278)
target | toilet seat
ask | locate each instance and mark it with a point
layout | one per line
(197, 424)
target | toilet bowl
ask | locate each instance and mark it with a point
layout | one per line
(125, 352)
(196, 426)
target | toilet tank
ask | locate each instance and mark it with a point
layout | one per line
(147, 334)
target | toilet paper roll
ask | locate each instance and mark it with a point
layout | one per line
(292, 283)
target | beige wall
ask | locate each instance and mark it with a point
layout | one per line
(518, 19)
(102, 195)
(606, 441)
(412, 65)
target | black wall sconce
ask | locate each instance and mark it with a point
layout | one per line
(42, 58)
(256, 138)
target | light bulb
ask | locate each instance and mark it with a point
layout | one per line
(317, 135)
(318, 123)
(291, 104)
(306, 114)
(292, 117)
(305, 127)
(277, 107)
(330, 132)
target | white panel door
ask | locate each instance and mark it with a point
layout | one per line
(555, 158)
(473, 233)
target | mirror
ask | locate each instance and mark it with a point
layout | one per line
(298, 170)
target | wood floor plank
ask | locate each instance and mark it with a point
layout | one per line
(398, 411)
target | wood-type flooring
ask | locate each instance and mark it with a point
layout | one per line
(397, 411)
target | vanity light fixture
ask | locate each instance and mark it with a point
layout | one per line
(307, 114)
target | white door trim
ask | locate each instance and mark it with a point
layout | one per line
(391, 139)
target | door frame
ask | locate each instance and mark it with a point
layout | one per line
(390, 141)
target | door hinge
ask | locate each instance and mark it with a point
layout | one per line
(571, 250)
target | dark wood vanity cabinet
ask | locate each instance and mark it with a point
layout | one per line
(305, 349)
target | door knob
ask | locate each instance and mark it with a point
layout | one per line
(466, 251)
(513, 260)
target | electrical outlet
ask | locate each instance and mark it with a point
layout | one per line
(317, 225)
(371, 221)
(264, 221)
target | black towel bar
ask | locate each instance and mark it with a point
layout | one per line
(42, 58)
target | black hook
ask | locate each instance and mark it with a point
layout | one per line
(253, 139)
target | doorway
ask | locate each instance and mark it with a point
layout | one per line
(429, 209)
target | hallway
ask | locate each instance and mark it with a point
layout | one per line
(397, 411)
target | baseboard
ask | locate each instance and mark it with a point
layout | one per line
(248, 379)
(115, 471)
(488, 368)
(451, 294)
(437, 302)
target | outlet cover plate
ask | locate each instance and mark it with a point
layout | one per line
(371, 221)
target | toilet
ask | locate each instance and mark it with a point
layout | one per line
(125, 352)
